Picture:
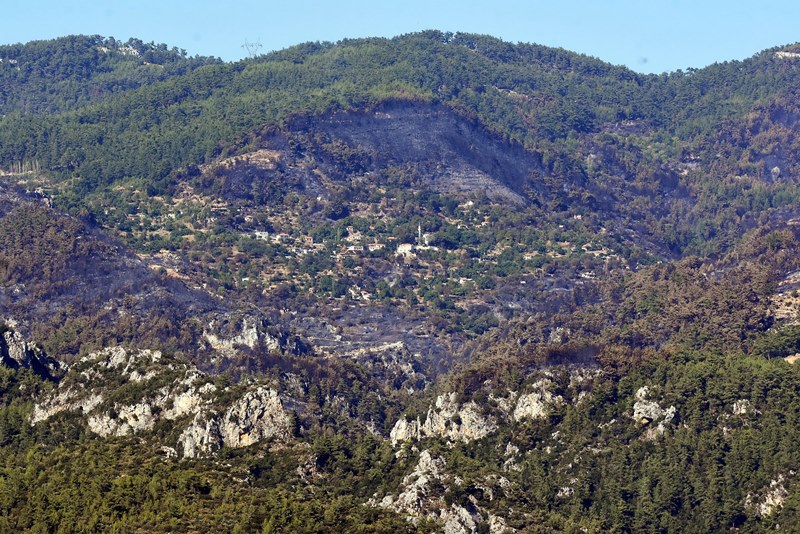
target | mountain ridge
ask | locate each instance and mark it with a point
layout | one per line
(432, 282)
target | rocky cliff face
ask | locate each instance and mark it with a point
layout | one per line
(446, 418)
(419, 497)
(537, 403)
(469, 421)
(16, 352)
(250, 334)
(257, 416)
(125, 392)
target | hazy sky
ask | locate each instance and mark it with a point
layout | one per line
(648, 36)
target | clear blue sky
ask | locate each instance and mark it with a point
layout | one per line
(648, 36)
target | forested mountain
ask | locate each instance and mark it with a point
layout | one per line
(63, 74)
(432, 282)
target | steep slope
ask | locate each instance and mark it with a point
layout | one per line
(449, 154)
(531, 94)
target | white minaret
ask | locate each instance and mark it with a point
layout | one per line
(419, 234)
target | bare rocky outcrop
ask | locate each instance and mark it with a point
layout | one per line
(405, 430)
(16, 352)
(458, 422)
(468, 421)
(250, 334)
(125, 420)
(64, 400)
(448, 419)
(93, 388)
(498, 525)
(96, 378)
(537, 403)
(744, 407)
(201, 437)
(257, 416)
(166, 403)
(770, 499)
(416, 485)
(646, 412)
(458, 520)
(418, 497)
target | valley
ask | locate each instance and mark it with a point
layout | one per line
(432, 283)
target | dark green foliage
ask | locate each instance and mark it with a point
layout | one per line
(779, 343)
(54, 477)
(51, 76)
(623, 477)
(185, 118)
(123, 486)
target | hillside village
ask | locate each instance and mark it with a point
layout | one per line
(448, 257)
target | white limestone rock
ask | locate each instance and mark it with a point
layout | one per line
(201, 437)
(66, 400)
(16, 352)
(770, 499)
(249, 335)
(17, 349)
(458, 520)
(129, 419)
(537, 403)
(448, 419)
(86, 389)
(418, 498)
(646, 412)
(498, 525)
(744, 407)
(405, 430)
(416, 484)
(257, 416)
